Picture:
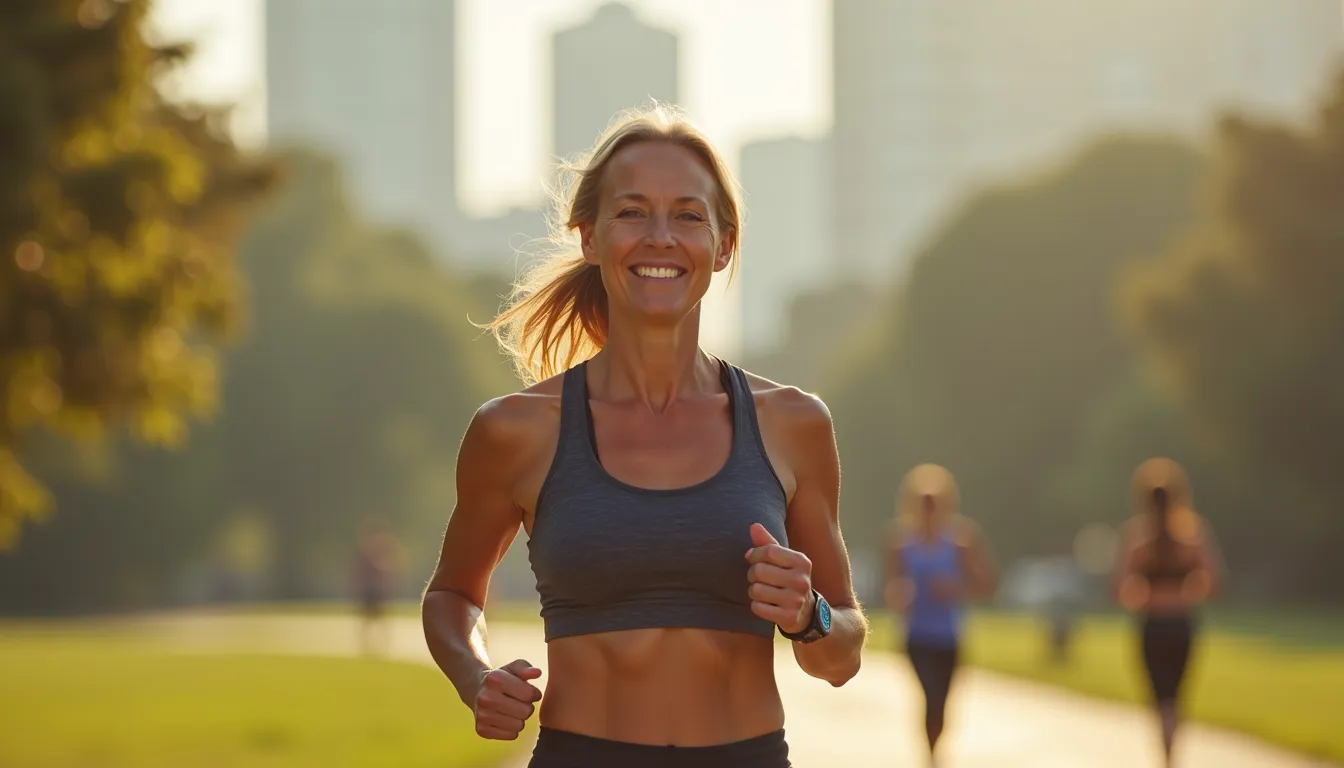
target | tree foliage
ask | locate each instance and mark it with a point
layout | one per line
(1004, 335)
(118, 213)
(344, 399)
(1243, 319)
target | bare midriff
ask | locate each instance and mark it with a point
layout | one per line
(683, 687)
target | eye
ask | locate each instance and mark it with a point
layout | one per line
(690, 216)
(629, 213)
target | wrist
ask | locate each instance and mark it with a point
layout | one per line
(472, 686)
(818, 622)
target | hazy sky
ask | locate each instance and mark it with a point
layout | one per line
(749, 69)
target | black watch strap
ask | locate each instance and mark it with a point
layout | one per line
(818, 627)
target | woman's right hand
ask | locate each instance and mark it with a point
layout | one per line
(505, 700)
(898, 594)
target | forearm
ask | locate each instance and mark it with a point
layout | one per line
(898, 594)
(975, 589)
(455, 633)
(836, 658)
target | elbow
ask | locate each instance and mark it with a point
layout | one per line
(989, 587)
(845, 672)
(837, 670)
(843, 664)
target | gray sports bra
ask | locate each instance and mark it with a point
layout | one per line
(610, 556)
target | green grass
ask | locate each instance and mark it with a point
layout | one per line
(497, 610)
(1283, 687)
(72, 698)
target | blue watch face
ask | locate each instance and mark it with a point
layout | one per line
(823, 614)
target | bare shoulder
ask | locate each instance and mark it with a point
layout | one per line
(515, 422)
(896, 533)
(790, 408)
(966, 531)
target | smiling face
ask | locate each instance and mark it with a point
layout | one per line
(656, 237)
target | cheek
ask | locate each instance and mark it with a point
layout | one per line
(617, 240)
(702, 241)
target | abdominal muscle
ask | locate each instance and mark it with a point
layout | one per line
(677, 686)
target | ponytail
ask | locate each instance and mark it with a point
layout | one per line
(1160, 508)
(557, 316)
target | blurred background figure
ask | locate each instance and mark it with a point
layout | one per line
(375, 574)
(936, 561)
(1167, 569)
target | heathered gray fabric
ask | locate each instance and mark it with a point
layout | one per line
(609, 556)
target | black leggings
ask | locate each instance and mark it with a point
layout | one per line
(934, 666)
(1166, 653)
(562, 749)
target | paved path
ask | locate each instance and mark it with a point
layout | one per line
(874, 720)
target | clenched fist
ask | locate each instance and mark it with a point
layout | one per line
(505, 700)
(780, 582)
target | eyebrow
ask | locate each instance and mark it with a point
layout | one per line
(639, 198)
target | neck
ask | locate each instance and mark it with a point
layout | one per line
(653, 365)
(930, 530)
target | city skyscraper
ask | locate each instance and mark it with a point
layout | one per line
(609, 63)
(933, 98)
(372, 84)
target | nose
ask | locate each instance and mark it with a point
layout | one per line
(660, 232)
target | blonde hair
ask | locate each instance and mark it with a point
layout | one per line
(927, 480)
(556, 314)
(1177, 520)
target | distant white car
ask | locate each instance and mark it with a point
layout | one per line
(1041, 583)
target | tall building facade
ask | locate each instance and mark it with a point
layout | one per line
(612, 62)
(786, 246)
(372, 84)
(932, 98)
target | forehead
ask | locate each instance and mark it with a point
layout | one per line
(659, 168)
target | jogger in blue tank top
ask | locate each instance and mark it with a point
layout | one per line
(936, 562)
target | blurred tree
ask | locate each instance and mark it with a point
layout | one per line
(1003, 336)
(1244, 319)
(117, 215)
(1252, 518)
(346, 399)
(352, 399)
(817, 318)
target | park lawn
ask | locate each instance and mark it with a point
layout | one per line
(497, 610)
(1282, 690)
(78, 699)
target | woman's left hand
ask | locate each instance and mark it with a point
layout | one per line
(780, 582)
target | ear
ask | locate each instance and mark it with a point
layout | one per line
(586, 243)
(727, 242)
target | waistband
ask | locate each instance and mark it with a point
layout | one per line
(562, 748)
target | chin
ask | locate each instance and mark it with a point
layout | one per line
(660, 313)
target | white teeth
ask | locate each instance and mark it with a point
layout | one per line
(658, 272)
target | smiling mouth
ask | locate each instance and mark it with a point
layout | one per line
(658, 273)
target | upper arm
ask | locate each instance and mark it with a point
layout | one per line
(976, 548)
(1210, 559)
(893, 553)
(813, 520)
(486, 517)
(1126, 562)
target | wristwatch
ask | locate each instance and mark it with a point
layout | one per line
(819, 627)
